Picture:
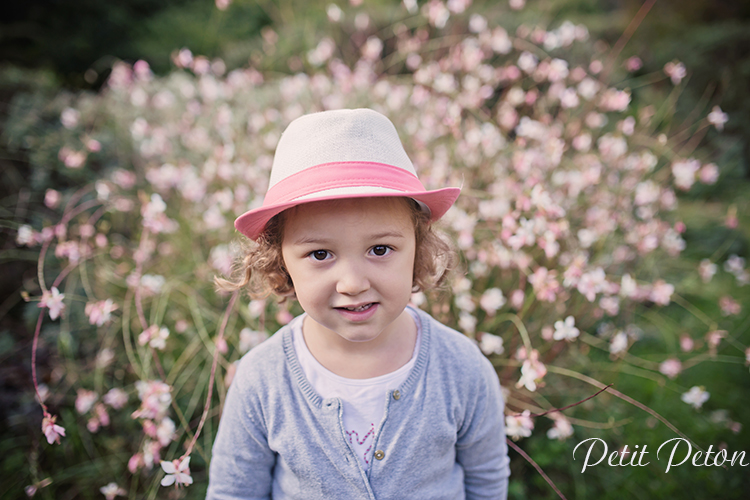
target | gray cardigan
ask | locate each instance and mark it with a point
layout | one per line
(442, 435)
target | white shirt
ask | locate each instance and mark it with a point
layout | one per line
(363, 399)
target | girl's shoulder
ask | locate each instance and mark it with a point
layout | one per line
(266, 361)
(451, 345)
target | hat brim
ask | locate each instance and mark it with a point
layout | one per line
(253, 222)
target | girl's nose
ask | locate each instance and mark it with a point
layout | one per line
(352, 280)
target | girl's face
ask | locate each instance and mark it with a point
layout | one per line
(351, 262)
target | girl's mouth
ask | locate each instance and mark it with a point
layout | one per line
(358, 313)
(361, 308)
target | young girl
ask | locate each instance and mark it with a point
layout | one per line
(362, 396)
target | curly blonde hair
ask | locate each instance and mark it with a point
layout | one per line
(261, 271)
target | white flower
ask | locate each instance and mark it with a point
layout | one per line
(53, 300)
(527, 62)
(112, 490)
(152, 283)
(695, 397)
(464, 302)
(684, 172)
(69, 118)
(165, 431)
(628, 286)
(159, 339)
(492, 300)
(619, 343)
(467, 322)
(661, 293)
(532, 371)
(561, 430)
(116, 398)
(566, 330)
(177, 472)
(717, 118)
(518, 426)
(491, 344)
(25, 235)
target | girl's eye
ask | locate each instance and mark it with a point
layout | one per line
(319, 254)
(381, 250)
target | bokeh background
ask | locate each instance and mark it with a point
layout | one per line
(104, 106)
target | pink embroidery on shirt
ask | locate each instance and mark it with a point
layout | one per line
(370, 433)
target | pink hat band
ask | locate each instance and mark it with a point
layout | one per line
(371, 163)
(339, 175)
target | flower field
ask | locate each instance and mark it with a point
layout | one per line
(599, 250)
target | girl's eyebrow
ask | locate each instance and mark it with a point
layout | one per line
(311, 240)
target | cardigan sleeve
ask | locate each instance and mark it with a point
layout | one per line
(481, 449)
(242, 462)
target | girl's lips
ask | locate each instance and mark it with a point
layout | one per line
(358, 315)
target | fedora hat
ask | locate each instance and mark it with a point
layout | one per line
(347, 153)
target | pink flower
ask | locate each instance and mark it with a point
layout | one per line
(592, 283)
(684, 172)
(614, 100)
(517, 298)
(686, 342)
(436, 12)
(562, 429)
(101, 414)
(52, 198)
(178, 472)
(85, 400)
(165, 431)
(706, 270)
(713, 339)
(223, 4)
(671, 367)
(634, 63)
(100, 312)
(93, 145)
(717, 118)
(709, 173)
(53, 300)
(675, 71)
(532, 370)
(661, 293)
(155, 396)
(518, 426)
(71, 158)
(51, 430)
(545, 284)
(283, 317)
(135, 462)
(729, 306)
(116, 398)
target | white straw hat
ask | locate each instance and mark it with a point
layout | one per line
(348, 153)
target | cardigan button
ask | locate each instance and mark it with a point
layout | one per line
(379, 455)
(396, 395)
